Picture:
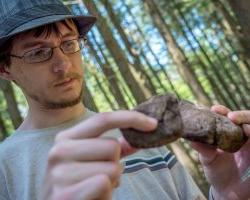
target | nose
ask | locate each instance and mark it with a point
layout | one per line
(61, 62)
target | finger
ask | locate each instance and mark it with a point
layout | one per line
(95, 187)
(246, 128)
(126, 148)
(98, 149)
(95, 126)
(240, 117)
(220, 109)
(71, 173)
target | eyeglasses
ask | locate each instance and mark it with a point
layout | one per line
(43, 54)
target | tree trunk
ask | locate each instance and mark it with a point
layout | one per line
(241, 9)
(243, 63)
(240, 28)
(205, 69)
(162, 68)
(221, 73)
(177, 54)
(3, 130)
(93, 73)
(110, 75)
(137, 62)
(11, 102)
(131, 76)
(88, 100)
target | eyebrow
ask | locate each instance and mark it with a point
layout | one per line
(37, 42)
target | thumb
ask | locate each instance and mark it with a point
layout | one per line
(207, 153)
(246, 128)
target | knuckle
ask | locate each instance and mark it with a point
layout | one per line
(104, 183)
(57, 152)
(57, 174)
(115, 171)
(60, 136)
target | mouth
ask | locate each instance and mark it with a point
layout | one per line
(65, 82)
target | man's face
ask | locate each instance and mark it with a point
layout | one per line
(55, 83)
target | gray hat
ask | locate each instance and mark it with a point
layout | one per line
(17, 16)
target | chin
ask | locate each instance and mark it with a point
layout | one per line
(65, 103)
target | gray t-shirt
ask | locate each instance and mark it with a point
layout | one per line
(148, 174)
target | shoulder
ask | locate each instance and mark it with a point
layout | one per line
(5, 146)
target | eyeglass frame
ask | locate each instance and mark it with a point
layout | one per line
(82, 41)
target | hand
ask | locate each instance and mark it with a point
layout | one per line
(82, 165)
(224, 170)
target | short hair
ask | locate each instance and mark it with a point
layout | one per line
(45, 30)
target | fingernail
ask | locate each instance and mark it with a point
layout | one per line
(232, 117)
(152, 120)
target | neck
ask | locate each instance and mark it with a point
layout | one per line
(43, 118)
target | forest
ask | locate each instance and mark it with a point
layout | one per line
(197, 49)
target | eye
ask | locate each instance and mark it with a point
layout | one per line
(69, 46)
(38, 52)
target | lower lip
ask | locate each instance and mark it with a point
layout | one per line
(68, 83)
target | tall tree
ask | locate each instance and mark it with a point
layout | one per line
(177, 54)
(144, 41)
(132, 78)
(133, 53)
(87, 99)
(239, 28)
(110, 75)
(223, 74)
(213, 81)
(241, 9)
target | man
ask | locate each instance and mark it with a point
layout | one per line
(64, 151)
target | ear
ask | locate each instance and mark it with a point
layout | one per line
(5, 73)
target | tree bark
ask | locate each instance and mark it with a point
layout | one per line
(88, 100)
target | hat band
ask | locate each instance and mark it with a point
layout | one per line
(24, 16)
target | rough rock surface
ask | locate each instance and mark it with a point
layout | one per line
(180, 118)
(165, 109)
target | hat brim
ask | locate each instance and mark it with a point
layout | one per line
(84, 24)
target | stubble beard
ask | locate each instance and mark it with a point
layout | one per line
(52, 105)
(60, 104)
(64, 104)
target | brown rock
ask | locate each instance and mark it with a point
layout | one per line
(202, 125)
(165, 109)
(183, 119)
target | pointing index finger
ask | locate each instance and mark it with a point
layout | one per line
(102, 122)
